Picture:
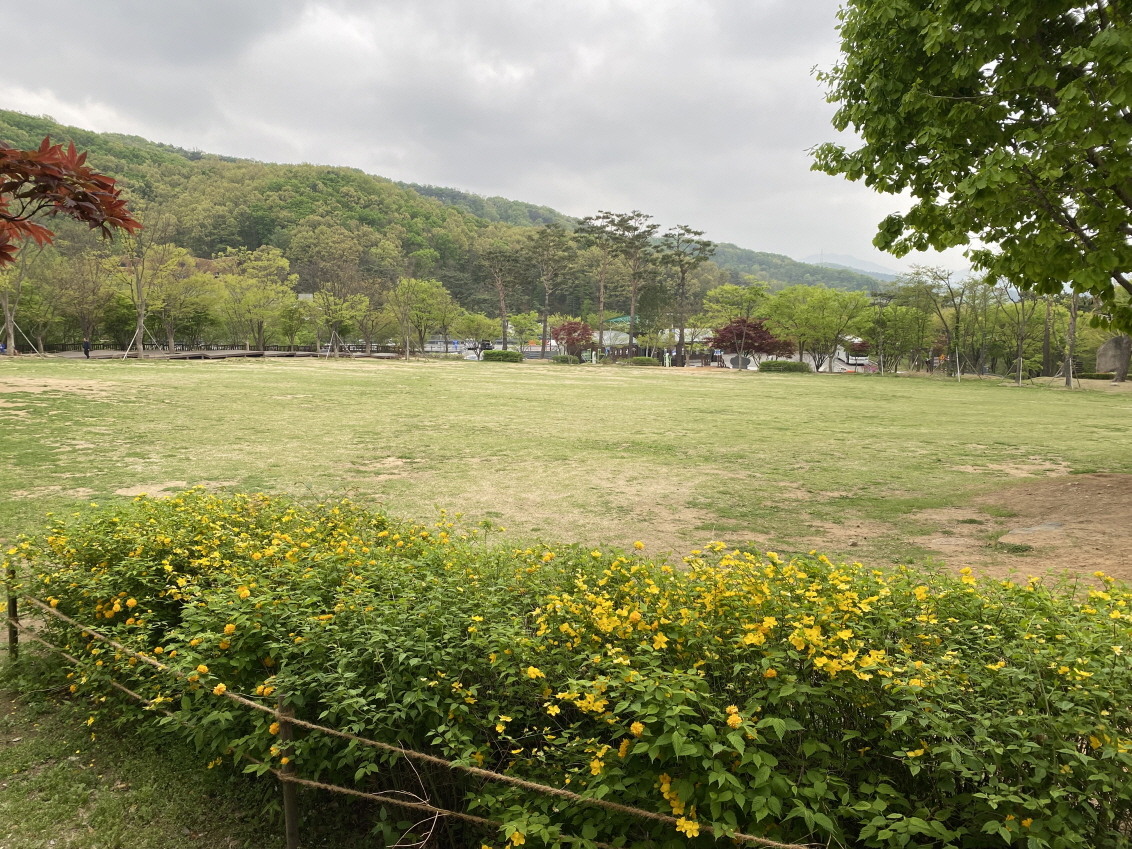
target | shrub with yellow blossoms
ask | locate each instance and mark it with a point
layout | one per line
(794, 698)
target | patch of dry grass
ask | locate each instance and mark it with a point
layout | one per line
(595, 455)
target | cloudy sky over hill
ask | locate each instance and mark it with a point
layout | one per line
(700, 113)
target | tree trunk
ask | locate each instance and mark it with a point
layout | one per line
(1047, 353)
(1071, 342)
(681, 298)
(545, 319)
(9, 324)
(502, 311)
(1121, 371)
(634, 291)
(600, 314)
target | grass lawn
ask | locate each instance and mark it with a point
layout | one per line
(854, 465)
(862, 467)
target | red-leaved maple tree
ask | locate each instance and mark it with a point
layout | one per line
(746, 337)
(574, 336)
(50, 181)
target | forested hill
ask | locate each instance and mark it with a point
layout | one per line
(499, 209)
(219, 202)
(783, 269)
(773, 267)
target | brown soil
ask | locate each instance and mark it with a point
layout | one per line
(1071, 523)
(47, 384)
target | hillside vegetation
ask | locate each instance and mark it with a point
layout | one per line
(222, 202)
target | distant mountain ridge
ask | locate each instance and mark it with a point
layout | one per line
(853, 264)
(279, 195)
(773, 267)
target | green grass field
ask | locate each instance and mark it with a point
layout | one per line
(857, 466)
(595, 455)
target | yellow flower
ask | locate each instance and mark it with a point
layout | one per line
(131, 602)
(1026, 823)
(219, 690)
(688, 827)
(202, 669)
(638, 545)
(770, 673)
(243, 592)
(734, 721)
(229, 629)
(518, 838)
(553, 710)
(273, 728)
(623, 749)
(637, 729)
(659, 641)
(732, 709)
(596, 766)
(535, 672)
(224, 644)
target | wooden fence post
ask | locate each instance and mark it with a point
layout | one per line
(290, 789)
(13, 614)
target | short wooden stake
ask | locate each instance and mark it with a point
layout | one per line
(13, 615)
(290, 789)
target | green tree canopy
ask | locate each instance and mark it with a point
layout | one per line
(1008, 124)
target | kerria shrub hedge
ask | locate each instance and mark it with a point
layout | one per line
(776, 366)
(565, 360)
(796, 699)
(497, 356)
(643, 361)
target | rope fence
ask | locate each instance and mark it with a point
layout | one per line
(287, 775)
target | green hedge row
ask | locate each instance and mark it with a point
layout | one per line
(798, 699)
(776, 366)
(497, 356)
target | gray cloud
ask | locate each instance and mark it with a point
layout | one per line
(698, 112)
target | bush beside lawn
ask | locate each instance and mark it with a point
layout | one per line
(796, 699)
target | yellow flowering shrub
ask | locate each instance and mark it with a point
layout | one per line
(788, 697)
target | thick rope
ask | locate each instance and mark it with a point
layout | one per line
(421, 756)
(283, 776)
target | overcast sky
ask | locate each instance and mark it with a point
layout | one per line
(696, 112)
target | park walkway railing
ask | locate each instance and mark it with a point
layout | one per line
(287, 773)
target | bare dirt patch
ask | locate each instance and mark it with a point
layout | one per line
(1033, 467)
(47, 384)
(380, 468)
(154, 489)
(41, 491)
(849, 534)
(1073, 523)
